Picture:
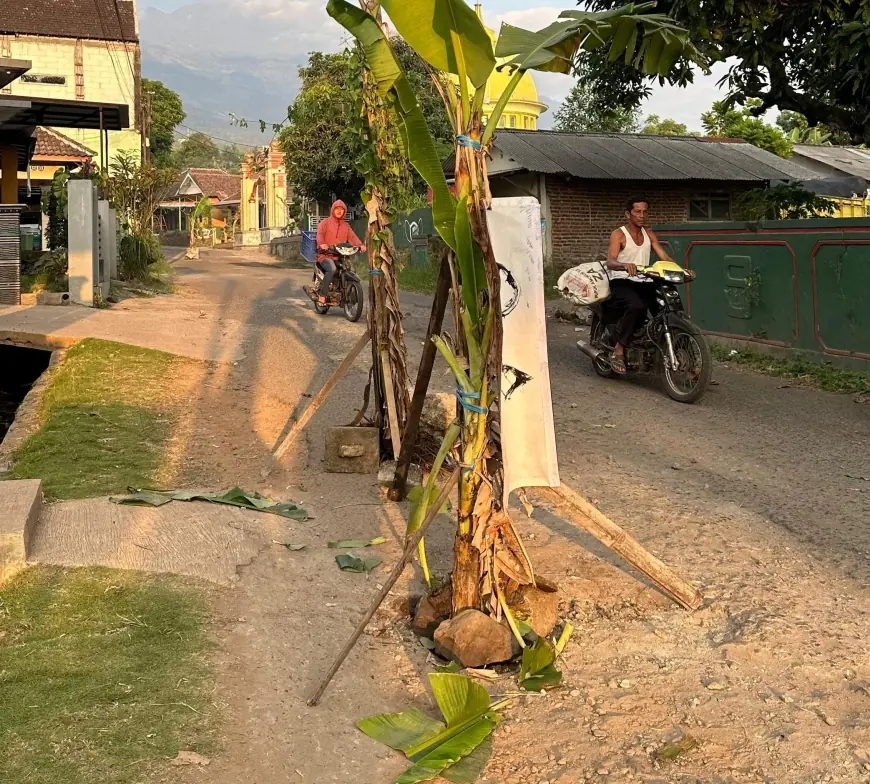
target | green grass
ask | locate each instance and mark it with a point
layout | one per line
(103, 676)
(819, 376)
(104, 422)
(419, 278)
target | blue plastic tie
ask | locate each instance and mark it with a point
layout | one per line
(376, 272)
(464, 397)
(467, 141)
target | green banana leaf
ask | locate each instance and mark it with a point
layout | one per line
(436, 747)
(537, 670)
(470, 263)
(233, 497)
(348, 562)
(447, 34)
(416, 138)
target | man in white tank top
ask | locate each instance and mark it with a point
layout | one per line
(630, 247)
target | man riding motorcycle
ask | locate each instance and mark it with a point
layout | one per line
(333, 231)
(629, 249)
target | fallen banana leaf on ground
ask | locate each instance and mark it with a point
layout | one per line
(293, 548)
(456, 749)
(449, 667)
(234, 497)
(537, 670)
(348, 562)
(351, 544)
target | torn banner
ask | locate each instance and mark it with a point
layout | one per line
(528, 434)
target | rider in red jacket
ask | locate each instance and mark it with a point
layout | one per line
(332, 231)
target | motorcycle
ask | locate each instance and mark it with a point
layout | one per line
(667, 342)
(346, 289)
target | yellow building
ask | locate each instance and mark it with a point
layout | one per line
(80, 50)
(524, 108)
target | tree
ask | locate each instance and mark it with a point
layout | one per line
(167, 112)
(582, 112)
(656, 126)
(804, 56)
(197, 151)
(798, 130)
(739, 123)
(786, 201)
(451, 38)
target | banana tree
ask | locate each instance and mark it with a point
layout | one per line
(490, 562)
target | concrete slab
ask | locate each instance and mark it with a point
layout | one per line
(20, 506)
(201, 540)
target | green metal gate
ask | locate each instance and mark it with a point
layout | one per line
(793, 285)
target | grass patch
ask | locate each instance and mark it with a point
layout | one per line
(104, 421)
(103, 676)
(420, 278)
(819, 376)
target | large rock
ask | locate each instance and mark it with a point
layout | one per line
(431, 611)
(473, 639)
(439, 411)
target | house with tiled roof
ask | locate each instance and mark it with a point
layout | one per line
(79, 50)
(221, 188)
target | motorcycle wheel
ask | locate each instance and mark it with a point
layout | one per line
(689, 382)
(353, 300)
(602, 364)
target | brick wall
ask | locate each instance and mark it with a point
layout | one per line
(584, 213)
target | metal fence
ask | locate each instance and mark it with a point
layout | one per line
(796, 286)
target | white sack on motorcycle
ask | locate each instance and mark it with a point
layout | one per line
(585, 284)
(528, 435)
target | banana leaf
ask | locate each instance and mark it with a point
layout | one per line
(416, 138)
(470, 263)
(537, 670)
(436, 747)
(233, 497)
(447, 34)
(348, 562)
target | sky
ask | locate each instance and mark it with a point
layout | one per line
(682, 104)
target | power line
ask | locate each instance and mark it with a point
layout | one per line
(218, 138)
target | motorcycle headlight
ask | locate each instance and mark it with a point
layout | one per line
(675, 277)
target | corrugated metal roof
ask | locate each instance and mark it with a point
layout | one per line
(602, 156)
(854, 161)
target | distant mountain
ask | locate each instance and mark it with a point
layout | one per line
(239, 56)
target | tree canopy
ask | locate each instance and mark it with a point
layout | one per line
(167, 112)
(739, 123)
(584, 111)
(322, 139)
(664, 126)
(198, 151)
(806, 56)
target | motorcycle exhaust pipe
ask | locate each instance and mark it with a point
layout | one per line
(589, 350)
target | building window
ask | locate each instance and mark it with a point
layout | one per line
(31, 78)
(513, 121)
(526, 123)
(710, 207)
(501, 122)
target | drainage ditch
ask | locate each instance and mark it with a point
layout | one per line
(20, 367)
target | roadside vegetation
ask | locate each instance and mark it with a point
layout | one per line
(805, 372)
(103, 675)
(104, 421)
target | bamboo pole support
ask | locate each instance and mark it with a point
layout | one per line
(421, 386)
(588, 517)
(410, 548)
(317, 400)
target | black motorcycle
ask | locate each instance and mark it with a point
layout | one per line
(346, 289)
(667, 343)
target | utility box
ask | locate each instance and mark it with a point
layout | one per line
(352, 450)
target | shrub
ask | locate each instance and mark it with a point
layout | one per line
(136, 253)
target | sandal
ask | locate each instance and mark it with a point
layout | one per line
(617, 364)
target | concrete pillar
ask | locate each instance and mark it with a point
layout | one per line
(108, 242)
(83, 230)
(276, 188)
(9, 181)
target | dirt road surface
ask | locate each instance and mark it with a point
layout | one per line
(758, 493)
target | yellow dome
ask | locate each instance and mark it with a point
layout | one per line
(523, 108)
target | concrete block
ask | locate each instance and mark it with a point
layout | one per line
(83, 237)
(21, 504)
(352, 450)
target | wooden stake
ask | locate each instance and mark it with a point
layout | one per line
(390, 394)
(410, 548)
(421, 387)
(317, 400)
(588, 517)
